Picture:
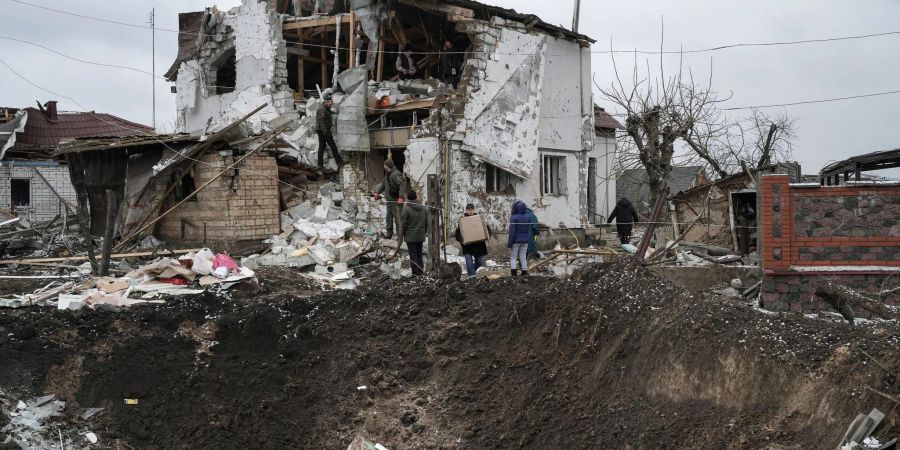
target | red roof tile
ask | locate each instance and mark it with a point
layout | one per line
(603, 119)
(40, 133)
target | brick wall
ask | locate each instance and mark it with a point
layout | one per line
(828, 225)
(240, 205)
(825, 226)
(44, 205)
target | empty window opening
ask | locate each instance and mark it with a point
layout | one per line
(185, 187)
(20, 192)
(554, 175)
(498, 180)
(226, 73)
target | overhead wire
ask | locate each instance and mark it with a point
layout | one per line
(612, 51)
(615, 114)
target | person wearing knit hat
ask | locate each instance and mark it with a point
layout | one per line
(392, 189)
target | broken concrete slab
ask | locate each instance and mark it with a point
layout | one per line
(304, 210)
(327, 189)
(321, 213)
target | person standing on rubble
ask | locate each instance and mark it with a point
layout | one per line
(406, 67)
(625, 216)
(533, 231)
(323, 130)
(451, 64)
(473, 252)
(392, 189)
(414, 220)
(519, 236)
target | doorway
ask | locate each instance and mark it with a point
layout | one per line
(744, 219)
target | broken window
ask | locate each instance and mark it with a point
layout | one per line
(497, 180)
(20, 192)
(184, 187)
(226, 73)
(554, 179)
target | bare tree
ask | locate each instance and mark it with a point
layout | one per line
(660, 111)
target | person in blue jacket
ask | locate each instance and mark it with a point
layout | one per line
(534, 230)
(519, 237)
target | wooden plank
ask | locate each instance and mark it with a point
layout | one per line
(84, 258)
(351, 60)
(380, 67)
(312, 23)
(325, 79)
(301, 75)
(451, 11)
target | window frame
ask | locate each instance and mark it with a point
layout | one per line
(27, 182)
(554, 180)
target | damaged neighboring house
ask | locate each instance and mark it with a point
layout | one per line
(502, 111)
(219, 202)
(33, 185)
(724, 212)
(634, 184)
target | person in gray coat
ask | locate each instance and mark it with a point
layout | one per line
(414, 220)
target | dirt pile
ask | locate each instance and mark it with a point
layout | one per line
(614, 358)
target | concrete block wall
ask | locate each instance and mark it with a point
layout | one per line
(794, 293)
(240, 205)
(853, 227)
(44, 205)
(828, 225)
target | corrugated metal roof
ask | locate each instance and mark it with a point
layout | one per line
(42, 134)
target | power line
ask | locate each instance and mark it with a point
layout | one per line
(809, 102)
(615, 114)
(614, 51)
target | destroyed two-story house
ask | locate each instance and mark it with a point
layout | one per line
(519, 121)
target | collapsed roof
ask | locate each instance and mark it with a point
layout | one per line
(870, 161)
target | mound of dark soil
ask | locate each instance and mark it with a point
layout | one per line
(614, 358)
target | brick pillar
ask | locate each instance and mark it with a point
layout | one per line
(775, 222)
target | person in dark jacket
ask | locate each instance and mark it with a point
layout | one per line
(323, 130)
(519, 236)
(534, 230)
(414, 220)
(393, 188)
(406, 67)
(625, 216)
(451, 64)
(473, 252)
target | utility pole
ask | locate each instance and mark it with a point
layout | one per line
(153, 70)
(576, 16)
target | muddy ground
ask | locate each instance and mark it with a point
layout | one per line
(614, 358)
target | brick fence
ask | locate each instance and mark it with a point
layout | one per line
(847, 233)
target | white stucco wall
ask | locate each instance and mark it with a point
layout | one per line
(605, 153)
(564, 98)
(260, 56)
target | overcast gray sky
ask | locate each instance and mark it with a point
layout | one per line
(753, 76)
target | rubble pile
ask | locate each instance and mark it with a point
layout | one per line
(189, 274)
